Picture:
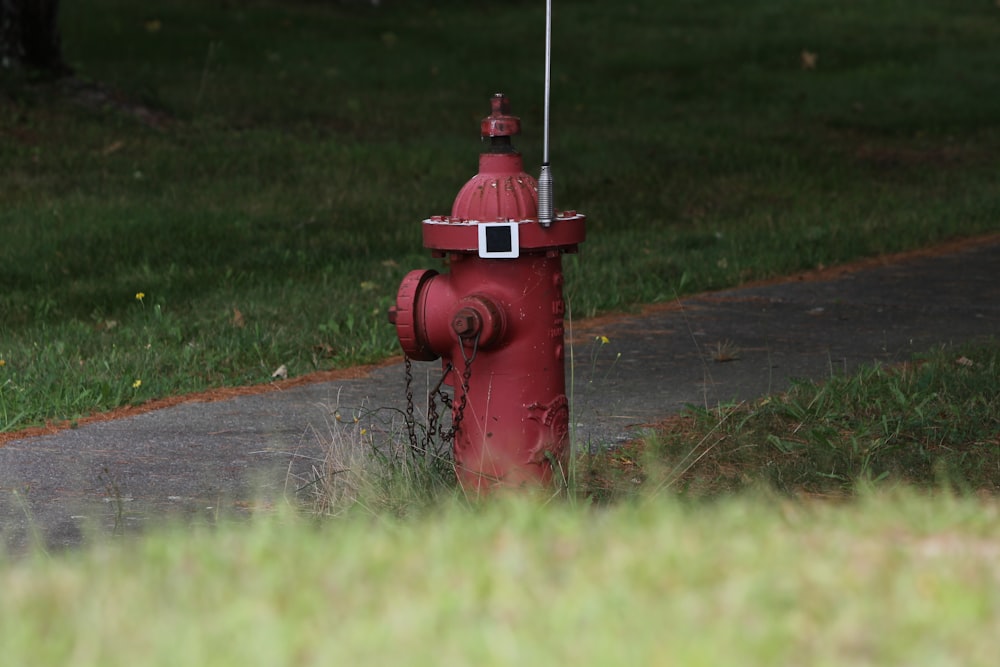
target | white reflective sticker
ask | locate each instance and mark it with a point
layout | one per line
(499, 240)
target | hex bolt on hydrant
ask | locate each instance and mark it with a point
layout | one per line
(496, 320)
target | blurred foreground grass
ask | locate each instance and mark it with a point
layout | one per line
(895, 579)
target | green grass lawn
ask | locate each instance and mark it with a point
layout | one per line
(933, 423)
(269, 220)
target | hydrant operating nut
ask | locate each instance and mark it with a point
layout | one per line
(467, 323)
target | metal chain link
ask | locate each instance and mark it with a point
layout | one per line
(434, 428)
(466, 374)
(410, 421)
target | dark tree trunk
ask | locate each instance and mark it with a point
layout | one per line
(29, 36)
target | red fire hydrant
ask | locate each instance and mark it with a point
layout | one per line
(496, 320)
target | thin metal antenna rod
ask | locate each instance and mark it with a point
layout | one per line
(545, 207)
(548, 79)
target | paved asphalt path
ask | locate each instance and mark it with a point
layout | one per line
(198, 460)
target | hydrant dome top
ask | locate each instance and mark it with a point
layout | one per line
(502, 190)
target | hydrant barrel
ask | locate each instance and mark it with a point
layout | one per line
(516, 419)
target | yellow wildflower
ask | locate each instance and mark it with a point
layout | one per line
(604, 340)
(137, 384)
(139, 296)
